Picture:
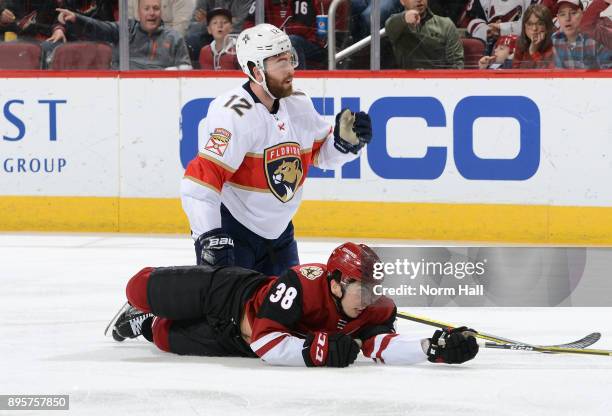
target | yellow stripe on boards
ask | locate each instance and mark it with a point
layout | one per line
(537, 224)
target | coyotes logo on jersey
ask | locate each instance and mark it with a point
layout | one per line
(283, 168)
(311, 272)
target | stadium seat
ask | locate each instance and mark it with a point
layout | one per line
(20, 55)
(473, 50)
(81, 55)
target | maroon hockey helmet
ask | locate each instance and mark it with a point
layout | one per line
(354, 262)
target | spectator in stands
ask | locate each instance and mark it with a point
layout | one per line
(197, 33)
(361, 11)
(502, 54)
(534, 46)
(239, 8)
(152, 46)
(423, 40)
(96, 9)
(597, 22)
(456, 10)
(489, 19)
(175, 14)
(28, 20)
(298, 19)
(219, 54)
(573, 49)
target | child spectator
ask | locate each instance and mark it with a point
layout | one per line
(502, 54)
(573, 49)
(534, 46)
(215, 55)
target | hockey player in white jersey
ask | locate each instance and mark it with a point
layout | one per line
(243, 188)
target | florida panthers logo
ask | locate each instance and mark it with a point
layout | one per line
(284, 171)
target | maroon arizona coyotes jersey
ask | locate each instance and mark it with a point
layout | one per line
(300, 302)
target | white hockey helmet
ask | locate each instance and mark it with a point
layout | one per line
(257, 43)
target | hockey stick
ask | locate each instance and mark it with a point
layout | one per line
(581, 343)
(548, 349)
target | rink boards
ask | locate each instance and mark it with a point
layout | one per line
(521, 157)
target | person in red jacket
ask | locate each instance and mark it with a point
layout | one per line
(597, 22)
(535, 48)
(221, 52)
(312, 315)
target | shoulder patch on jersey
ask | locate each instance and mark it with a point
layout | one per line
(311, 272)
(218, 141)
(283, 168)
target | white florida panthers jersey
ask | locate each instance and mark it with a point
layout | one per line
(255, 161)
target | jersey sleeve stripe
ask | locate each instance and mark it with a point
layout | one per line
(270, 345)
(216, 162)
(259, 343)
(199, 182)
(383, 345)
(251, 173)
(248, 188)
(206, 172)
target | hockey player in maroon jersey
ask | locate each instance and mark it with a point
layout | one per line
(312, 315)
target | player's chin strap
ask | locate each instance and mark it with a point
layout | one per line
(263, 84)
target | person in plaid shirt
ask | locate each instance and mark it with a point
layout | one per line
(572, 48)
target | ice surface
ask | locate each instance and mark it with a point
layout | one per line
(58, 292)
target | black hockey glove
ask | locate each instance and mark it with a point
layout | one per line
(452, 346)
(352, 131)
(215, 248)
(331, 350)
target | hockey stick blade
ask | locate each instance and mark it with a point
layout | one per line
(548, 349)
(581, 343)
(587, 341)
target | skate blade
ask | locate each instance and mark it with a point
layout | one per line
(111, 324)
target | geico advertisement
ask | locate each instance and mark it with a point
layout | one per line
(530, 141)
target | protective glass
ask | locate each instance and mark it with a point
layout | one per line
(282, 61)
(365, 292)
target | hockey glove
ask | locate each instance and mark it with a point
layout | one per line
(352, 131)
(215, 248)
(331, 350)
(451, 346)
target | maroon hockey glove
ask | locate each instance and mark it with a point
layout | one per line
(452, 346)
(331, 350)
